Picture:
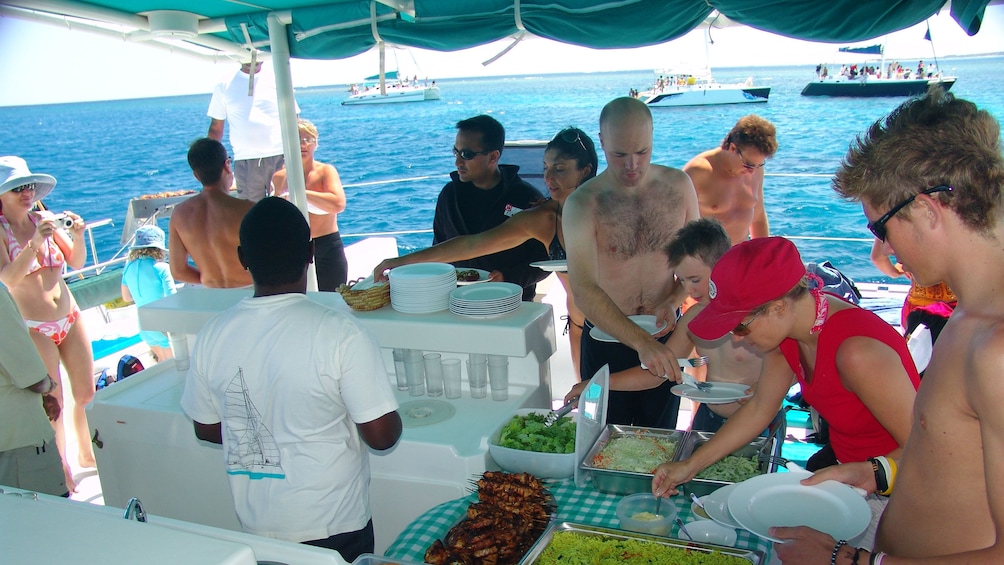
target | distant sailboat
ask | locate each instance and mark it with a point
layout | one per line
(677, 87)
(875, 78)
(398, 90)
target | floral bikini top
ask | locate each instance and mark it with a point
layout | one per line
(52, 256)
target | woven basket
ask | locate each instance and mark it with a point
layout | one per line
(370, 299)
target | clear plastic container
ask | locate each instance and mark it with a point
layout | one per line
(637, 513)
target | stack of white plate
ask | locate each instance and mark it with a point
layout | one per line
(486, 299)
(422, 287)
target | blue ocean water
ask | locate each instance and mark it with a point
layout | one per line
(105, 153)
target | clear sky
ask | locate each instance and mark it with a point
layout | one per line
(42, 63)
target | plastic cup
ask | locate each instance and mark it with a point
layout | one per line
(451, 377)
(477, 376)
(497, 360)
(179, 347)
(433, 374)
(498, 377)
(414, 370)
(399, 372)
(478, 358)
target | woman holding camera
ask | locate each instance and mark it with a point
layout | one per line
(34, 249)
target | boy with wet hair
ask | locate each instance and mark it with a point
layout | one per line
(929, 178)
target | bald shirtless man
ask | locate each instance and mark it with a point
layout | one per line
(692, 254)
(930, 179)
(729, 179)
(205, 227)
(325, 200)
(616, 226)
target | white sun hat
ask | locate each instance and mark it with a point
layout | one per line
(14, 173)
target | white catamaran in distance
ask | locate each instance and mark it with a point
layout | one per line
(389, 87)
(681, 86)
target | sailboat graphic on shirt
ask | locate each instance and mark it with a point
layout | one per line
(253, 451)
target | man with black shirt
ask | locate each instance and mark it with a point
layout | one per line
(481, 195)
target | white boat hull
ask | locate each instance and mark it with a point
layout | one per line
(393, 95)
(705, 95)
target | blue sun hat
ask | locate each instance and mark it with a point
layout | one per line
(149, 236)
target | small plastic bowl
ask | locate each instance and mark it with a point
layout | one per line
(637, 514)
(706, 531)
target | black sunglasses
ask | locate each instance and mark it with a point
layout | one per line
(742, 329)
(467, 154)
(878, 226)
(746, 164)
(570, 136)
(18, 190)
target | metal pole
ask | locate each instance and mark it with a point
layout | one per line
(287, 118)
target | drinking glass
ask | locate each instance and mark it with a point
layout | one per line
(433, 374)
(451, 377)
(477, 376)
(399, 372)
(498, 376)
(414, 370)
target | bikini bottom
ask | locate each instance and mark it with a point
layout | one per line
(55, 330)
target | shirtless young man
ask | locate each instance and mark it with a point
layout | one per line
(692, 254)
(206, 226)
(325, 200)
(729, 179)
(616, 226)
(947, 504)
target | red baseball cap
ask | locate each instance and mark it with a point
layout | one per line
(748, 276)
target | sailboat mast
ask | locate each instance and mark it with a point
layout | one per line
(383, 79)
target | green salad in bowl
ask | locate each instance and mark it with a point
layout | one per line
(523, 444)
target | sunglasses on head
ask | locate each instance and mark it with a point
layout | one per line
(742, 329)
(878, 226)
(29, 187)
(746, 164)
(467, 154)
(571, 136)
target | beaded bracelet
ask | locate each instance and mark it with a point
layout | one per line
(836, 548)
(857, 554)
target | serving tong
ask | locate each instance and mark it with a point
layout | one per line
(555, 415)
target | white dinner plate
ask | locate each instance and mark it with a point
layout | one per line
(644, 321)
(720, 393)
(716, 506)
(482, 276)
(778, 499)
(425, 272)
(559, 265)
(489, 291)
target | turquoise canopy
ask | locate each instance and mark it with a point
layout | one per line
(322, 29)
(344, 29)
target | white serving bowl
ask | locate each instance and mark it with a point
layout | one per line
(707, 531)
(540, 465)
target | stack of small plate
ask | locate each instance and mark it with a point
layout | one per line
(485, 300)
(422, 287)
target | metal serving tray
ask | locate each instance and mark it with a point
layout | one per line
(627, 482)
(762, 447)
(755, 557)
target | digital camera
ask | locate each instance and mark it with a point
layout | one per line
(62, 220)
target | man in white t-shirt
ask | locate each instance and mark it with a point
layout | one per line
(252, 109)
(295, 392)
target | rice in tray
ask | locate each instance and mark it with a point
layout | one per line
(635, 453)
(732, 469)
(570, 548)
